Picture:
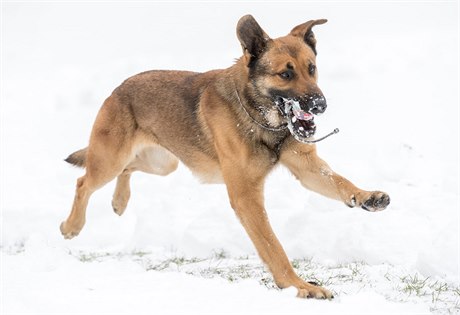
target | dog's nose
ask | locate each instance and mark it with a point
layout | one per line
(317, 104)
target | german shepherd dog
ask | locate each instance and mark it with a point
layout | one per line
(229, 126)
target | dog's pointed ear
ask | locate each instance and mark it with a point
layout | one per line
(304, 31)
(252, 37)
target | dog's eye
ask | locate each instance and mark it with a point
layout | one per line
(311, 69)
(287, 75)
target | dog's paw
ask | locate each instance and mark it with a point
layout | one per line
(311, 290)
(69, 231)
(375, 201)
(119, 206)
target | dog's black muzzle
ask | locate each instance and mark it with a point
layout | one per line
(314, 103)
(299, 112)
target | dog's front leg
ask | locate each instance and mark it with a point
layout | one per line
(245, 189)
(316, 175)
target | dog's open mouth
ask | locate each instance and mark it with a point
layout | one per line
(300, 123)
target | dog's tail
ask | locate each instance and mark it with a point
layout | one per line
(77, 158)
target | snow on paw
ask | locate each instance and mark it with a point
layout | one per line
(376, 201)
(308, 291)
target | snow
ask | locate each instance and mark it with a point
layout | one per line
(390, 74)
(143, 292)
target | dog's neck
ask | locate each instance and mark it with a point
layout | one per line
(263, 125)
(258, 114)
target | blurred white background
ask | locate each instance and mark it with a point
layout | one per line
(390, 73)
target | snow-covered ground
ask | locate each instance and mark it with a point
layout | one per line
(390, 72)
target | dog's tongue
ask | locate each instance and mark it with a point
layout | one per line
(299, 114)
(302, 115)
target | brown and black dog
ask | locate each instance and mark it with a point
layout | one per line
(231, 126)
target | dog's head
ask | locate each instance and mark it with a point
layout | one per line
(282, 75)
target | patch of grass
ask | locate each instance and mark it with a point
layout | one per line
(457, 291)
(91, 257)
(220, 254)
(139, 253)
(437, 289)
(442, 297)
(175, 262)
(329, 276)
(15, 249)
(393, 282)
(412, 284)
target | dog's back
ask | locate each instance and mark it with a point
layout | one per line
(159, 107)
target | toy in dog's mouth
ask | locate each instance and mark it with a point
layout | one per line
(300, 123)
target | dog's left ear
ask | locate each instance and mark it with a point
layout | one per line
(304, 31)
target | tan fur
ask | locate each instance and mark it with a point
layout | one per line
(156, 118)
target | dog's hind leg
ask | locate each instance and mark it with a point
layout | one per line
(153, 159)
(109, 151)
(100, 169)
(122, 192)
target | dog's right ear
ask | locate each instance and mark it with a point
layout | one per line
(252, 37)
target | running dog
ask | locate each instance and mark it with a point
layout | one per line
(230, 126)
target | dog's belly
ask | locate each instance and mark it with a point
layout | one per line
(155, 158)
(208, 172)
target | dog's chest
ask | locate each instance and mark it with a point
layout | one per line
(266, 144)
